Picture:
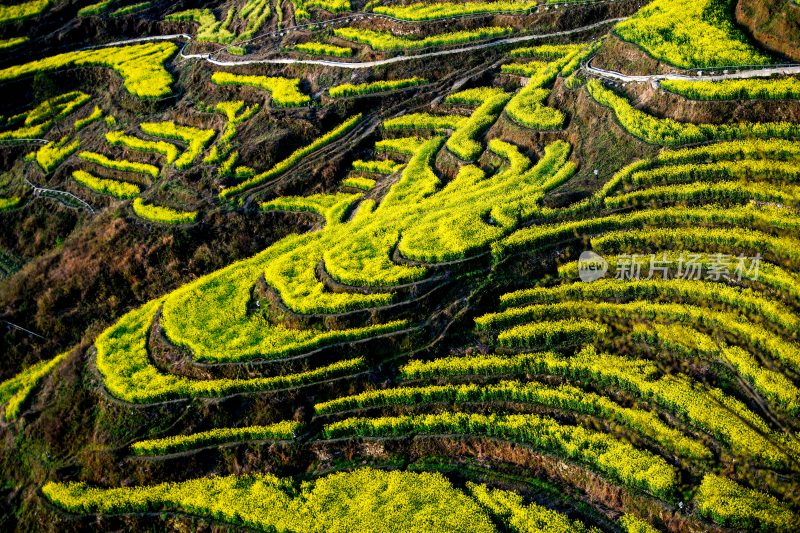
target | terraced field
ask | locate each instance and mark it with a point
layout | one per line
(335, 266)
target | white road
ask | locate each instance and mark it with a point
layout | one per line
(729, 73)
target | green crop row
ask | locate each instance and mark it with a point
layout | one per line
(771, 278)
(249, 19)
(400, 145)
(191, 316)
(463, 230)
(168, 150)
(563, 397)
(6, 44)
(618, 459)
(344, 501)
(772, 159)
(528, 107)
(358, 182)
(294, 157)
(209, 29)
(694, 292)
(334, 6)
(770, 89)
(762, 218)
(15, 12)
(380, 166)
(709, 410)
(687, 342)
(36, 122)
(119, 164)
(140, 65)
(724, 193)
(128, 374)
(780, 250)
(348, 89)
(179, 443)
(324, 49)
(53, 154)
(527, 69)
(284, 92)
(15, 392)
(746, 333)
(388, 42)
(691, 33)
(509, 507)
(330, 206)
(95, 9)
(9, 203)
(485, 365)
(95, 115)
(440, 10)
(424, 121)
(668, 132)
(546, 52)
(254, 13)
(162, 215)
(473, 97)
(552, 334)
(129, 9)
(463, 142)
(730, 504)
(195, 139)
(702, 173)
(117, 189)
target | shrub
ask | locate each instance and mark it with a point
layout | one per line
(348, 89)
(121, 164)
(388, 42)
(163, 215)
(140, 65)
(284, 92)
(117, 189)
